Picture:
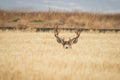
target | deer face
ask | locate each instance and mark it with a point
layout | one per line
(66, 44)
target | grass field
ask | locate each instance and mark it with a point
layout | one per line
(37, 56)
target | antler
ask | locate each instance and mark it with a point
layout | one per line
(66, 44)
(59, 40)
(75, 39)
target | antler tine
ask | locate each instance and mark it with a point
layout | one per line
(56, 29)
(79, 31)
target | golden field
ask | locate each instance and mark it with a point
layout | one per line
(38, 56)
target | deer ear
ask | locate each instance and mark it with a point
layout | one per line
(59, 40)
(74, 41)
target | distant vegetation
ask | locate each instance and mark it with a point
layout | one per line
(37, 21)
(16, 20)
(65, 19)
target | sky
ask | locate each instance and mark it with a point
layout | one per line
(103, 6)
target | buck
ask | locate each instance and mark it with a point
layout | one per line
(66, 44)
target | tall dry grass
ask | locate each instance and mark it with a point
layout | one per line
(37, 56)
(41, 19)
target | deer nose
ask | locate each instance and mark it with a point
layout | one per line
(66, 47)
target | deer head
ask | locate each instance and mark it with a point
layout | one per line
(66, 44)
